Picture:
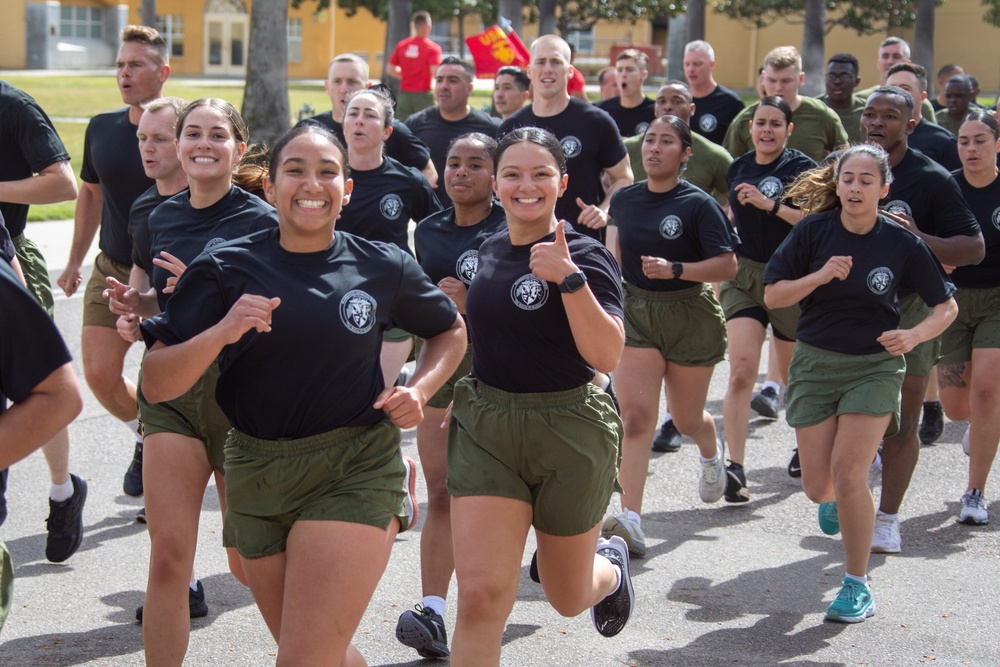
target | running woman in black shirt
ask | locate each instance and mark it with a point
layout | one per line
(531, 439)
(967, 374)
(295, 317)
(846, 265)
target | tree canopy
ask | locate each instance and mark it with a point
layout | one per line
(862, 16)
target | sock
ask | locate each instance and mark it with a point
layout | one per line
(194, 583)
(666, 416)
(862, 579)
(133, 425)
(773, 385)
(61, 492)
(436, 604)
(887, 517)
(618, 571)
(636, 519)
(714, 459)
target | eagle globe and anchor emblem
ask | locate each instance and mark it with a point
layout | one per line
(357, 311)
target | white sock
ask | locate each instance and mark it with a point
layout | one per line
(666, 416)
(714, 459)
(773, 385)
(618, 585)
(61, 492)
(133, 425)
(194, 583)
(887, 517)
(863, 578)
(437, 604)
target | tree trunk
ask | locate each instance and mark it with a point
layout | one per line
(677, 32)
(265, 100)
(695, 20)
(148, 13)
(813, 36)
(547, 17)
(923, 47)
(397, 29)
(513, 11)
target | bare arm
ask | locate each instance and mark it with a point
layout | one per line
(786, 293)
(51, 405)
(901, 341)
(595, 216)
(53, 184)
(714, 269)
(430, 173)
(85, 224)
(957, 250)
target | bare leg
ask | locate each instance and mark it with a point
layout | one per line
(687, 391)
(984, 404)
(637, 381)
(746, 336)
(437, 562)
(103, 361)
(900, 452)
(573, 576)
(56, 452)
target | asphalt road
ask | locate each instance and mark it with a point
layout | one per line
(721, 585)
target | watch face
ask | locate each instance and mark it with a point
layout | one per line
(573, 282)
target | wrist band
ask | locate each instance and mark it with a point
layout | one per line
(777, 205)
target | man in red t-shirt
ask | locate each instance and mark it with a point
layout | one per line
(414, 62)
(576, 81)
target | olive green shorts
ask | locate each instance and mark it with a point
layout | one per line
(194, 414)
(409, 103)
(6, 583)
(977, 324)
(686, 326)
(36, 272)
(920, 360)
(95, 307)
(442, 398)
(822, 384)
(351, 474)
(396, 336)
(746, 292)
(557, 451)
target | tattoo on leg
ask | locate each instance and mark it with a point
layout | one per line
(950, 375)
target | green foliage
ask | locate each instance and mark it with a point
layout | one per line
(583, 14)
(992, 15)
(862, 16)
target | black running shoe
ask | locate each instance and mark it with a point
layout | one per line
(736, 484)
(133, 476)
(612, 613)
(423, 630)
(140, 516)
(533, 568)
(932, 423)
(65, 523)
(668, 438)
(794, 467)
(3, 495)
(766, 403)
(196, 603)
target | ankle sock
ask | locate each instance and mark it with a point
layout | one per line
(437, 604)
(61, 492)
(863, 578)
(773, 385)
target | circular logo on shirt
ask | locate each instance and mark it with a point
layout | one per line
(529, 292)
(708, 123)
(771, 187)
(391, 206)
(996, 218)
(571, 146)
(899, 207)
(670, 227)
(214, 243)
(357, 311)
(879, 280)
(467, 265)
(641, 128)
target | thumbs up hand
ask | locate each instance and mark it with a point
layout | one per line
(551, 261)
(591, 216)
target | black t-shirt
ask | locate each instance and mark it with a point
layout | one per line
(848, 316)
(30, 345)
(318, 368)
(760, 232)
(632, 121)
(446, 250)
(923, 190)
(682, 225)
(985, 205)
(383, 202)
(402, 146)
(7, 251)
(936, 143)
(591, 142)
(186, 232)
(111, 158)
(138, 227)
(521, 339)
(714, 113)
(28, 144)
(437, 133)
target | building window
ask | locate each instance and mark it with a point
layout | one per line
(81, 22)
(582, 40)
(295, 40)
(171, 27)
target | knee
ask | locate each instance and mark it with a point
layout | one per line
(818, 491)
(170, 559)
(984, 395)
(569, 603)
(438, 498)
(637, 419)
(236, 565)
(690, 424)
(741, 377)
(955, 404)
(480, 600)
(101, 378)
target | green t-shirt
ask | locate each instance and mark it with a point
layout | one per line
(947, 122)
(850, 119)
(817, 132)
(706, 168)
(926, 108)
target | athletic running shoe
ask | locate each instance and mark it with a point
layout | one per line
(65, 523)
(140, 516)
(875, 472)
(3, 495)
(829, 521)
(965, 440)
(932, 423)
(765, 403)
(736, 484)
(411, 508)
(133, 476)
(423, 630)
(668, 438)
(794, 467)
(974, 509)
(623, 526)
(712, 480)
(854, 603)
(197, 605)
(885, 539)
(533, 568)
(612, 613)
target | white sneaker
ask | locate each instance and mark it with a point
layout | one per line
(624, 526)
(712, 481)
(875, 472)
(974, 509)
(965, 440)
(885, 539)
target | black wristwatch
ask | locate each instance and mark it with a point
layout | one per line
(678, 269)
(573, 282)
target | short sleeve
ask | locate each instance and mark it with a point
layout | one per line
(198, 303)
(420, 307)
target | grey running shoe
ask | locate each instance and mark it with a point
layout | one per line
(423, 630)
